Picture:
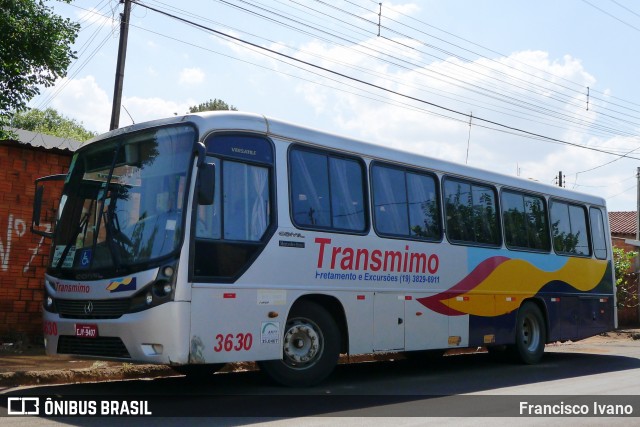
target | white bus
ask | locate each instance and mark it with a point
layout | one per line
(224, 237)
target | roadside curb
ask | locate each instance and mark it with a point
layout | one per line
(69, 376)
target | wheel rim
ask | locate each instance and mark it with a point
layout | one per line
(303, 343)
(530, 336)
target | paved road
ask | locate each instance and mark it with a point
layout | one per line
(596, 372)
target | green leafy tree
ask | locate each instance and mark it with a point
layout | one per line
(212, 105)
(626, 281)
(51, 122)
(35, 50)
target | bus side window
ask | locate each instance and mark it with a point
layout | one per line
(525, 221)
(598, 233)
(390, 201)
(326, 191)
(569, 228)
(405, 203)
(471, 213)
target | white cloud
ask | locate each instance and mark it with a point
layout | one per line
(540, 85)
(83, 100)
(144, 109)
(191, 76)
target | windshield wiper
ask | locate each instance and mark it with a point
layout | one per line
(116, 239)
(84, 221)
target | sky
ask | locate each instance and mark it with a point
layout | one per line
(527, 88)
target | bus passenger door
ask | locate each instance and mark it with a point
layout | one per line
(388, 322)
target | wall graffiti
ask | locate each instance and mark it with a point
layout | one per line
(16, 229)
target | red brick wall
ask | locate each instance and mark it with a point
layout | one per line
(23, 254)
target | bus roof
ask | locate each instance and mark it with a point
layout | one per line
(208, 122)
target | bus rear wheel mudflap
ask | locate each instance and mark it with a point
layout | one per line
(310, 347)
(530, 334)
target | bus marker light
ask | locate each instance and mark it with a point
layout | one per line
(555, 299)
(408, 298)
(455, 340)
(360, 297)
(418, 313)
(149, 298)
(273, 314)
(230, 295)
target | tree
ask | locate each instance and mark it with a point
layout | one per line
(51, 122)
(212, 105)
(626, 282)
(35, 50)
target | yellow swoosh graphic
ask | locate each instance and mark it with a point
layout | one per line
(514, 280)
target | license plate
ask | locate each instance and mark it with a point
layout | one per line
(86, 331)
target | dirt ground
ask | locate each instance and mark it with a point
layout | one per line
(28, 365)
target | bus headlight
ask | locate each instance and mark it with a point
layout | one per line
(162, 288)
(158, 292)
(48, 303)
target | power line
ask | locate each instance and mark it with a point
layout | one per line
(366, 83)
(499, 54)
(482, 90)
(611, 15)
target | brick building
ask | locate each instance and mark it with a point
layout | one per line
(624, 226)
(22, 254)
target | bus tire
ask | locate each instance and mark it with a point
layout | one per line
(530, 334)
(310, 347)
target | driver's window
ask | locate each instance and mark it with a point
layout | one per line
(245, 203)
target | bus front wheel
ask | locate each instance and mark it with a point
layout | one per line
(530, 334)
(310, 345)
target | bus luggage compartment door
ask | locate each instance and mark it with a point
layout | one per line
(388, 322)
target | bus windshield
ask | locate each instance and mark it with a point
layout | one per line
(123, 201)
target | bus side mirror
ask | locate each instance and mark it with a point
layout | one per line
(206, 183)
(45, 230)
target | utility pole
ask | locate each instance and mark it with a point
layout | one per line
(122, 55)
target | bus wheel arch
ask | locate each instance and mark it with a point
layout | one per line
(335, 308)
(311, 344)
(531, 332)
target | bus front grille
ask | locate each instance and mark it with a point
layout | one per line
(86, 309)
(99, 346)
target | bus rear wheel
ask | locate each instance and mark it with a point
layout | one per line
(310, 346)
(530, 334)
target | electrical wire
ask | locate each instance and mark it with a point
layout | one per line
(366, 83)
